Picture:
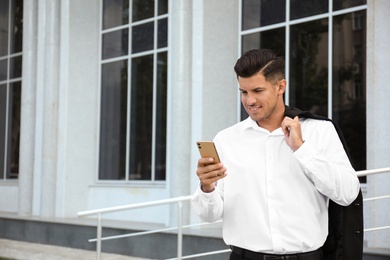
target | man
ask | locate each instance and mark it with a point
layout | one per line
(277, 174)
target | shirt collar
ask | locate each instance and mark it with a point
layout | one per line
(251, 124)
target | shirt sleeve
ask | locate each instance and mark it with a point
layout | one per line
(324, 161)
(208, 206)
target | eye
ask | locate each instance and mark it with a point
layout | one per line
(243, 92)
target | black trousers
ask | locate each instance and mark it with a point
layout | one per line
(243, 256)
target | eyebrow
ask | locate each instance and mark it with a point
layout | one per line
(256, 88)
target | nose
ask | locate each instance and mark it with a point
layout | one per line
(250, 99)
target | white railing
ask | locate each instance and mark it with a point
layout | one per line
(180, 226)
(371, 172)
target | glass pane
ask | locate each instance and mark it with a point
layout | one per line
(4, 11)
(113, 122)
(342, 4)
(17, 26)
(349, 82)
(141, 118)
(115, 44)
(142, 9)
(115, 13)
(142, 37)
(161, 116)
(162, 33)
(16, 67)
(162, 7)
(3, 123)
(257, 13)
(13, 131)
(3, 69)
(271, 39)
(309, 66)
(305, 8)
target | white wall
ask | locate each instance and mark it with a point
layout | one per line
(79, 131)
(378, 123)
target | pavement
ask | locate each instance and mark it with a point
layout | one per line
(18, 250)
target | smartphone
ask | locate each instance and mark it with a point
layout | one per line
(207, 149)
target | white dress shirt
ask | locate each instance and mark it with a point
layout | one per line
(274, 200)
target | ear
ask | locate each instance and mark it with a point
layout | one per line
(281, 86)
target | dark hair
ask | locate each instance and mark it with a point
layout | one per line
(265, 61)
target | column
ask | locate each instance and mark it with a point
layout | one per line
(50, 88)
(27, 132)
(378, 139)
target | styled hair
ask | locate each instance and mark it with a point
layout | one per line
(265, 61)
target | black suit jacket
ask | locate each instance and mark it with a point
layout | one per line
(345, 237)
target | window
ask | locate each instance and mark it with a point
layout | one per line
(133, 107)
(325, 50)
(11, 32)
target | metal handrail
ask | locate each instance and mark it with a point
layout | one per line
(99, 213)
(179, 201)
(373, 171)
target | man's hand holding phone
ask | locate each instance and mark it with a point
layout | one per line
(210, 169)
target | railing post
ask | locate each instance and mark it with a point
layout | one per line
(99, 237)
(180, 231)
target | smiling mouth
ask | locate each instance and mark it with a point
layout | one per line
(253, 109)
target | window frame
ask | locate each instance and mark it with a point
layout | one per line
(287, 24)
(128, 58)
(8, 82)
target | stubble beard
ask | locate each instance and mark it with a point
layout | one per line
(269, 113)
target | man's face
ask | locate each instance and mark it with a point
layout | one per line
(258, 96)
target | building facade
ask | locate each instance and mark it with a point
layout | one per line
(102, 101)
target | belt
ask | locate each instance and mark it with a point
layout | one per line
(313, 255)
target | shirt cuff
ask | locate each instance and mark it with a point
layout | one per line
(209, 196)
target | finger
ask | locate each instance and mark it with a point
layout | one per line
(212, 177)
(209, 170)
(285, 127)
(205, 161)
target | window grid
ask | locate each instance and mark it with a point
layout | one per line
(329, 15)
(128, 58)
(7, 82)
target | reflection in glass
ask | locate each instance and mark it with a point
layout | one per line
(4, 12)
(305, 8)
(349, 82)
(3, 69)
(271, 39)
(161, 116)
(3, 118)
(309, 66)
(17, 26)
(115, 44)
(115, 13)
(14, 107)
(142, 9)
(342, 4)
(162, 33)
(113, 121)
(162, 7)
(15, 67)
(141, 118)
(257, 13)
(142, 37)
